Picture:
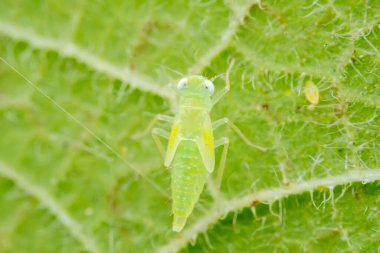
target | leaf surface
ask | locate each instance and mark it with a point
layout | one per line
(81, 80)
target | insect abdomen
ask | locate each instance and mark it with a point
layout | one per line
(188, 179)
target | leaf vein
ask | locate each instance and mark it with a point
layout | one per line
(225, 38)
(266, 196)
(52, 205)
(70, 50)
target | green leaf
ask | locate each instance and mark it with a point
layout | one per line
(81, 80)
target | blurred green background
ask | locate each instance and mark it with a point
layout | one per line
(79, 79)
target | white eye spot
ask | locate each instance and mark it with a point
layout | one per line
(182, 83)
(209, 86)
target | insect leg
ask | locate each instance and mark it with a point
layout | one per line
(149, 128)
(225, 142)
(223, 121)
(226, 88)
(214, 185)
(156, 134)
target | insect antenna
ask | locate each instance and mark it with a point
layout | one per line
(232, 62)
(217, 76)
(170, 69)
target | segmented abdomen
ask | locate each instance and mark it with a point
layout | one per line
(188, 179)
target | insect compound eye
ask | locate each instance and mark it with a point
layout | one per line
(209, 86)
(182, 83)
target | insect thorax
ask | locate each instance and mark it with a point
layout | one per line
(196, 102)
(192, 120)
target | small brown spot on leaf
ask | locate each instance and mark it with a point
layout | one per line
(254, 203)
(265, 106)
(340, 109)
